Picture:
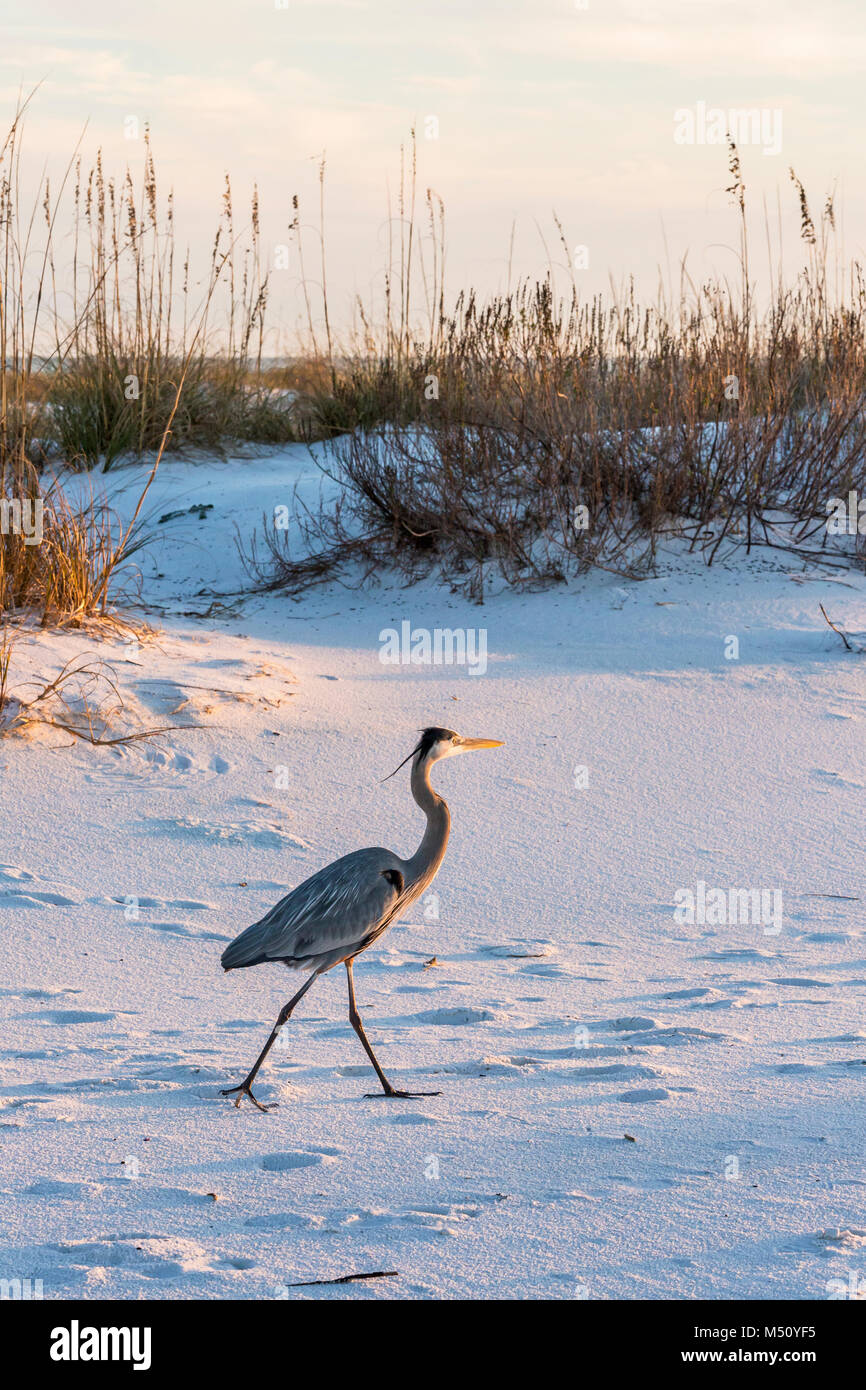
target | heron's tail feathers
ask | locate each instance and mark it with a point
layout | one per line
(246, 949)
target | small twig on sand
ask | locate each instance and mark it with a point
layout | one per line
(93, 738)
(837, 897)
(838, 630)
(347, 1278)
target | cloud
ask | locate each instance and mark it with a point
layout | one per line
(540, 106)
(77, 72)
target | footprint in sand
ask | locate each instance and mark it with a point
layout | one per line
(802, 982)
(17, 899)
(288, 1162)
(150, 1197)
(431, 1221)
(687, 994)
(181, 929)
(824, 777)
(673, 1037)
(832, 937)
(164, 904)
(643, 1184)
(833, 1242)
(149, 1256)
(62, 1017)
(43, 994)
(56, 1188)
(643, 1097)
(619, 1071)
(19, 888)
(738, 953)
(179, 1072)
(448, 1018)
(258, 833)
(283, 1221)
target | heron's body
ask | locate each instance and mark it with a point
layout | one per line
(343, 908)
(336, 913)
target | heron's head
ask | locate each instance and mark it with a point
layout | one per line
(436, 743)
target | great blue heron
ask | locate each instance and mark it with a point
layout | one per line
(345, 907)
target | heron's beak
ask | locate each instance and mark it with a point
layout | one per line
(468, 745)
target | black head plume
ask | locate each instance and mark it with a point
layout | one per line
(428, 738)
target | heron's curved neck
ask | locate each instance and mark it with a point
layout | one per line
(427, 858)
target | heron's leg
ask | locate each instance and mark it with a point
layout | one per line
(285, 1013)
(355, 1020)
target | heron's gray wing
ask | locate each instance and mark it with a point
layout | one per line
(338, 908)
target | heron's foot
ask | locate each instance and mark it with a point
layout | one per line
(245, 1089)
(391, 1094)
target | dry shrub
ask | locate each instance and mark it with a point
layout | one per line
(562, 435)
(82, 700)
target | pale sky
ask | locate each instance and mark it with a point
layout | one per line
(541, 107)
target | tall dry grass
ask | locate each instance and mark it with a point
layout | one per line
(528, 435)
(133, 313)
(107, 357)
(536, 434)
